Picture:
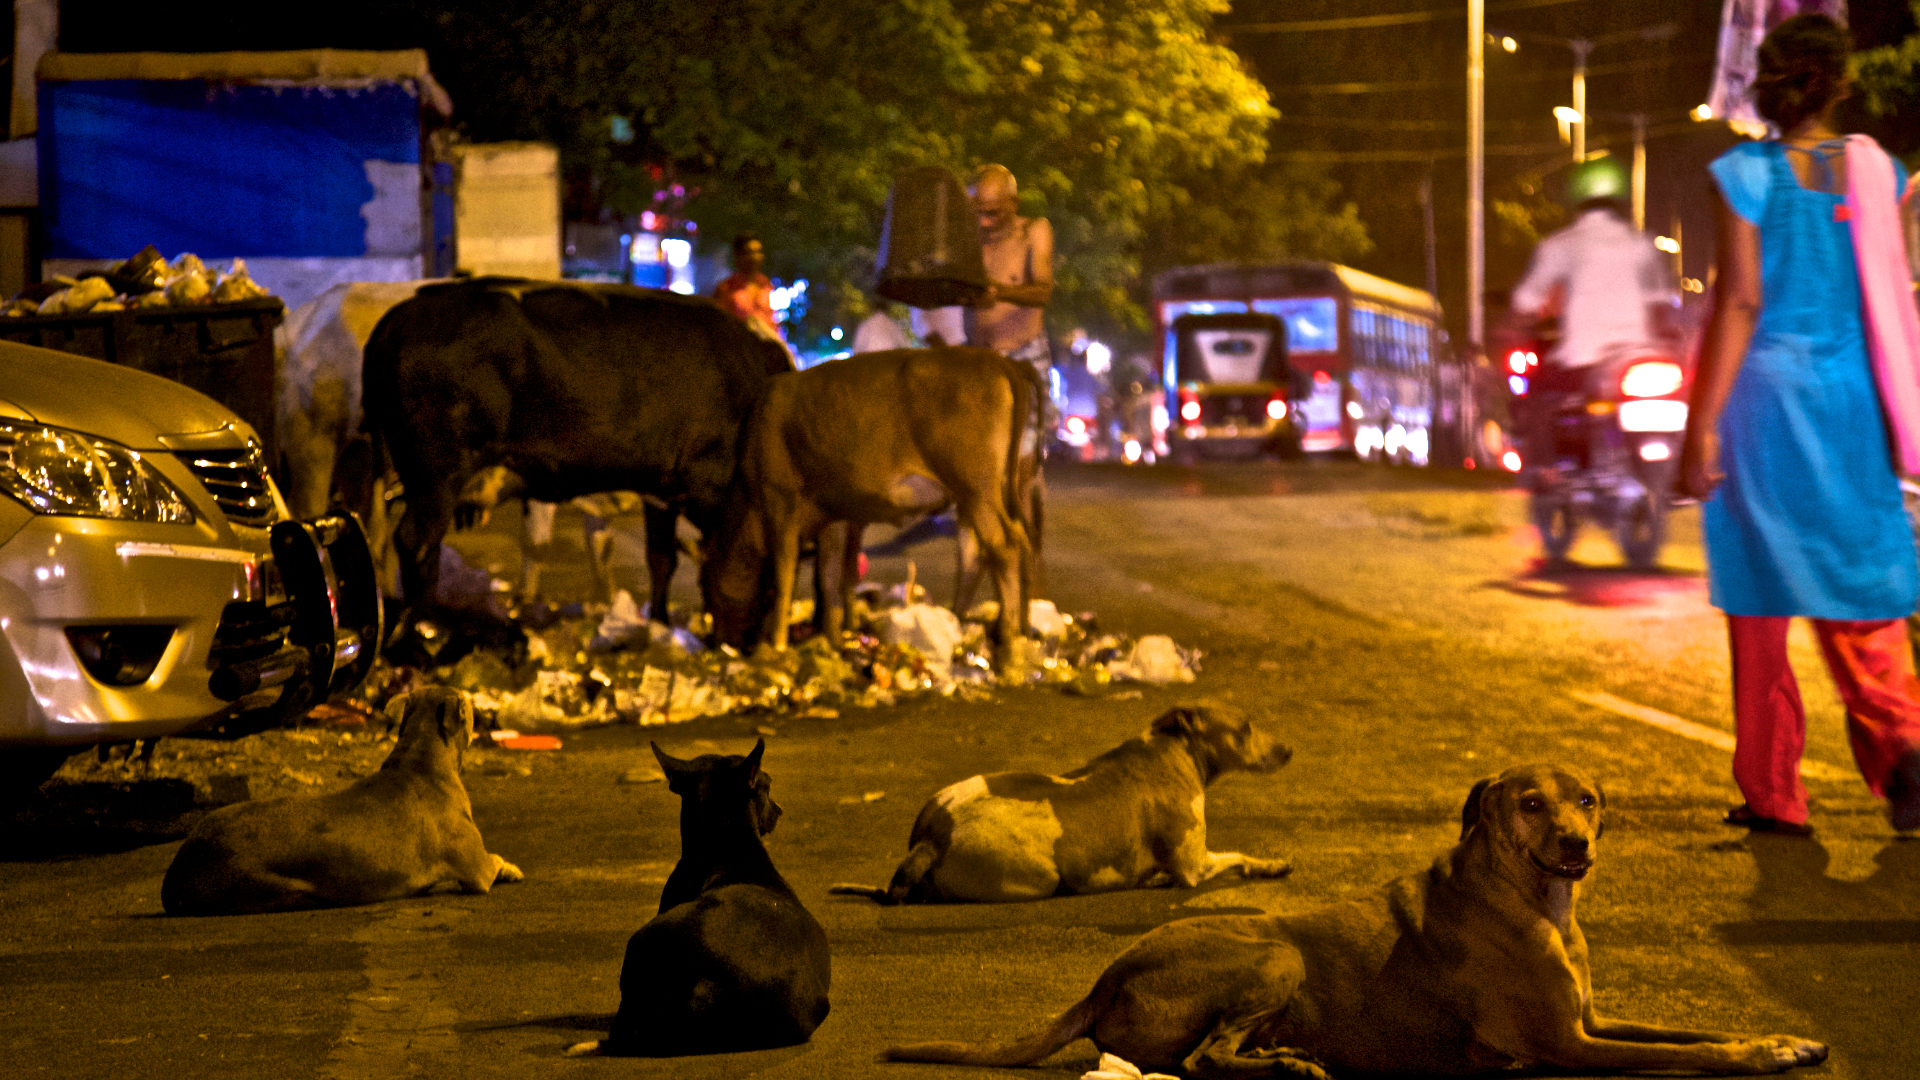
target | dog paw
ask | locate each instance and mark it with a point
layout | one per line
(1288, 1061)
(1765, 1055)
(1805, 1051)
(507, 872)
(1267, 868)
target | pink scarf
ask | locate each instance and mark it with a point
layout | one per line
(1886, 292)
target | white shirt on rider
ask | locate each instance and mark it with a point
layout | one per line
(1601, 275)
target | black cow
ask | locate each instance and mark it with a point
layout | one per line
(494, 388)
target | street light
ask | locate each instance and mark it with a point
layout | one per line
(1581, 48)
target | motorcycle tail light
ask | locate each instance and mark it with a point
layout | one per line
(1190, 410)
(1519, 360)
(1277, 409)
(1511, 461)
(1077, 425)
(1652, 378)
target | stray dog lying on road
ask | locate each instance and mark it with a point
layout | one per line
(1475, 965)
(732, 961)
(399, 832)
(1133, 817)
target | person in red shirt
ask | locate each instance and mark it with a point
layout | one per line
(748, 292)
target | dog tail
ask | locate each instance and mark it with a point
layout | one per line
(906, 884)
(1068, 1026)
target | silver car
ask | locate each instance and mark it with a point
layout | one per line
(151, 581)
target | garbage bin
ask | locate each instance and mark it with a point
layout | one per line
(225, 351)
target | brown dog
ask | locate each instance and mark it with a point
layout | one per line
(1475, 965)
(1135, 816)
(400, 832)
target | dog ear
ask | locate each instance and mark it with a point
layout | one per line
(1180, 721)
(1470, 811)
(751, 766)
(458, 721)
(396, 711)
(671, 766)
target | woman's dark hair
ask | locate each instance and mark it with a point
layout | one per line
(1803, 69)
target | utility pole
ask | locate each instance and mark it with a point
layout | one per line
(1426, 221)
(1640, 171)
(1581, 48)
(1476, 170)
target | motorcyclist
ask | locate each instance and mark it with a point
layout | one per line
(1609, 287)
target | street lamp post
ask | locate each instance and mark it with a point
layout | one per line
(1476, 170)
(1581, 48)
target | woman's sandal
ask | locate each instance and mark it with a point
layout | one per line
(1744, 817)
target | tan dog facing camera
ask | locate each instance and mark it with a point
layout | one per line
(1474, 965)
(400, 832)
(1132, 818)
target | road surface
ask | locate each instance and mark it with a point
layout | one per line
(1393, 627)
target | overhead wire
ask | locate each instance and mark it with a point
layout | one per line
(1369, 22)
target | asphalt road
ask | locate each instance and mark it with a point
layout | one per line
(1392, 627)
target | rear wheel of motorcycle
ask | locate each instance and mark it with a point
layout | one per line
(1553, 516)
(1642, 530)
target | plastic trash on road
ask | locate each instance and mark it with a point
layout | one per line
(1156, 659)
(591, 664)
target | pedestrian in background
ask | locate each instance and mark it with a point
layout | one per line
(1789, 443)
(748, 291)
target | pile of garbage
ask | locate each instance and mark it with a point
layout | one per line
(147, 280)
(608, 664)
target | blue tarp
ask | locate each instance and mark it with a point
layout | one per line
(224, 169)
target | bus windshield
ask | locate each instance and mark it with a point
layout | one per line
(1313, 322)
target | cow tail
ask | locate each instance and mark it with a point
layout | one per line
(1065, 1028)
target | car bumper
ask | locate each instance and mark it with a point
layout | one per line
(63, 572)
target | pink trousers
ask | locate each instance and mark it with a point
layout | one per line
(1872, 667)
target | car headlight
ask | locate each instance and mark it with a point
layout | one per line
(63, 472)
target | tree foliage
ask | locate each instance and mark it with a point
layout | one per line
(1133, 131)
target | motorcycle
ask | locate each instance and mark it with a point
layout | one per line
(1611, 452)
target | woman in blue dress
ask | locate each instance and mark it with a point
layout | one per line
(1788, 446)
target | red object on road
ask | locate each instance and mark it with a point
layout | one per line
(517, 741)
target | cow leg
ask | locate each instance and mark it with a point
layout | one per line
(836, 566)
(1003, 546)
(1033, 577)
(786, 562)
(663, 555)
(417, 543)
(536, 544)
(596, 534)
(966, 570)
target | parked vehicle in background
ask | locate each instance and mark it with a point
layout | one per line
(1232, 390)
(1382, 381)
(151, 580)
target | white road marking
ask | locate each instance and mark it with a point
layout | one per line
(1812, 770)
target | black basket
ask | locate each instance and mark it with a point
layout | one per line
(930, 244)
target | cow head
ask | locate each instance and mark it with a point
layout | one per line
(736, 576)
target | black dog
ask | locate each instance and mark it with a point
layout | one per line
(732, 962)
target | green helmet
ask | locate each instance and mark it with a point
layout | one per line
(1601, 178)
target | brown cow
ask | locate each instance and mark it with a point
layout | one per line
(878, 437)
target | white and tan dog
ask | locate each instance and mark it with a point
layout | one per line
(402, 831)
(1474, 965)
(1133, 817)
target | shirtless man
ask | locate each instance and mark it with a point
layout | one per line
(1019, 257)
